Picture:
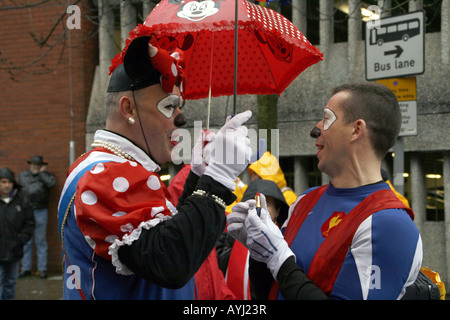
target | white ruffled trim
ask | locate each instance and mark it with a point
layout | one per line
(129, 147)
(128, 240)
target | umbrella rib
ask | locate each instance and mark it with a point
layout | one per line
(267, 62)
(192, 57)
(236, 47)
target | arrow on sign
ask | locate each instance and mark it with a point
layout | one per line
(398, 51)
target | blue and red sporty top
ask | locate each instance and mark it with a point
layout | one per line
(384, 250)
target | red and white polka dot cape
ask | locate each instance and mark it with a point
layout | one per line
(116, 199)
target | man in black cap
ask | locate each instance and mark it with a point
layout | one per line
(36, 184)
(122, 238)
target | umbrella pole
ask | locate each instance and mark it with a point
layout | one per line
(236, 22)
(209, 108)
(210, 81)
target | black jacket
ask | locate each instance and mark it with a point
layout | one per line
(36, 187)
(170, 253)
(16, 227)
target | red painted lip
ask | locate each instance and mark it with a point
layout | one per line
(173, 137)
(319, 148)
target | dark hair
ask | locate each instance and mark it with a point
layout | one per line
(378, 107)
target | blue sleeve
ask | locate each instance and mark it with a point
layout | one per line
(384, 258)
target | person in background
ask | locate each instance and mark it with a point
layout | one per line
(16, 228)
(267, 167)
(36, 184)
(232, 255)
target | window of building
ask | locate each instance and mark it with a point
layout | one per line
(433, 164)
(340, 25)
(314, 175)
(287, 165)
(313, 21)
(433, 13)
(340, 15)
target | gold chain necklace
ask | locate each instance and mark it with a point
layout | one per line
(114, 149)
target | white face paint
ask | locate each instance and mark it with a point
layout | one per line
(329, 117)
(168, 104)
(198, 10)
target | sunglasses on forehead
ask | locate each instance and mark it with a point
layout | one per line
(167, 105)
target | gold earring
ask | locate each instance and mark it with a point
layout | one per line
(131, 120)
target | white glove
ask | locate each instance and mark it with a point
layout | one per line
(265, 241)
(236, 218)
(232, 152)
(201, 153)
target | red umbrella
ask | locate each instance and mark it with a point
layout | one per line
(271, 52)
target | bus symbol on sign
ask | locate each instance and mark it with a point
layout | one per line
(395, 31)
(395, 46)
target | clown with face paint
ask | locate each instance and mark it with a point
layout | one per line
(350, 239)
(122, 238)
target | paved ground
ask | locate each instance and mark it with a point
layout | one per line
(35, 288)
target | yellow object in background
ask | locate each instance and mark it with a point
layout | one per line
(436, 278)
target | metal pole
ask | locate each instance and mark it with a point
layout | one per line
(210, 80)
(236, 24)
(399, 166)
(71, 113)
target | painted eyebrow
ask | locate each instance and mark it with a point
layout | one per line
(332, 118)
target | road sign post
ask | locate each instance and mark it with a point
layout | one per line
(395, 46)
(406, 92)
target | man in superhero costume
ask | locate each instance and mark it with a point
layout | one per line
(352, 238)
(122, 238)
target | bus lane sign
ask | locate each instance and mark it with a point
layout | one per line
(395, 46)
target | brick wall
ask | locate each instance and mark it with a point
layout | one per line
(35, 100)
